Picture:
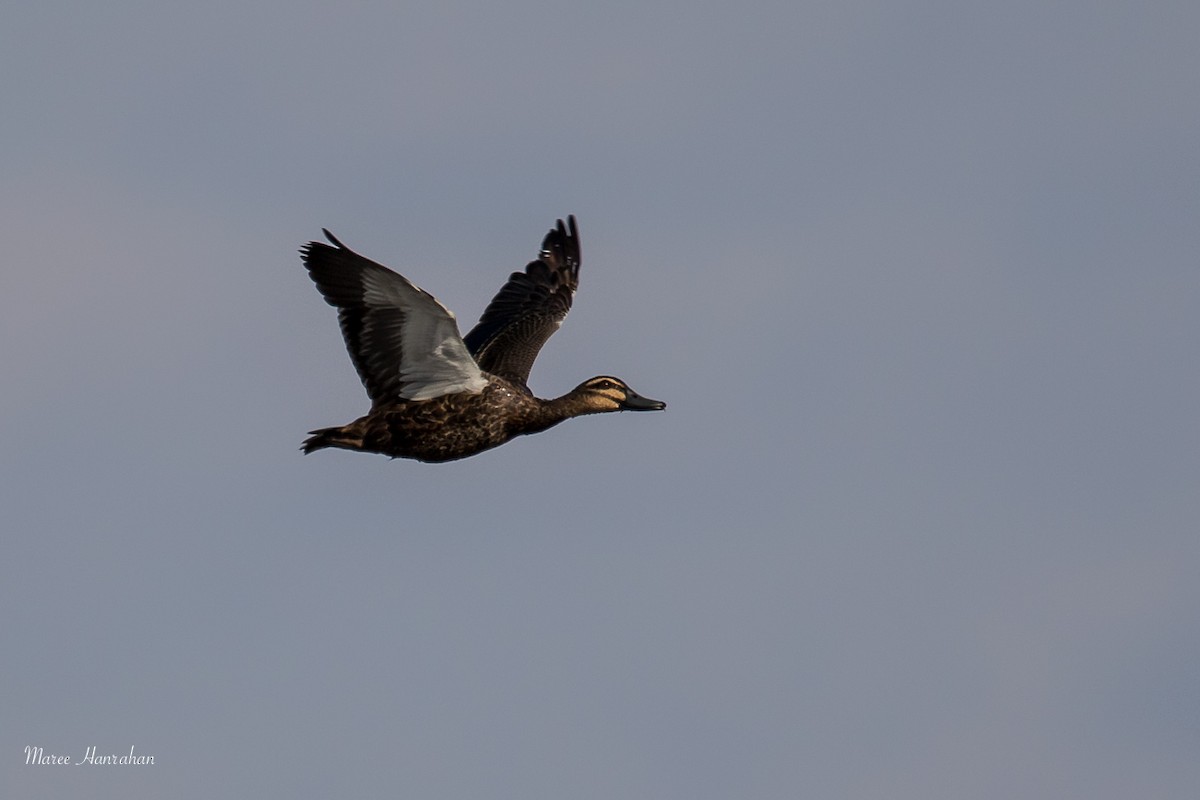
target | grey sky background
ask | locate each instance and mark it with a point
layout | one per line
(918, 281)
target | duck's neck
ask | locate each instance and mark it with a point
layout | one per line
(555, 410)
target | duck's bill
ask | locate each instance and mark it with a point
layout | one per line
(635, 402)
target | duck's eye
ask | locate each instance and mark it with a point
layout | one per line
(606, 385)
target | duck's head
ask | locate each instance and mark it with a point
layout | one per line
(606, 393)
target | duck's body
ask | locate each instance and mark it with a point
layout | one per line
(455, 425)
(436, 396)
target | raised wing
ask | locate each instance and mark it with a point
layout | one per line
(403, 342)
(528, 308)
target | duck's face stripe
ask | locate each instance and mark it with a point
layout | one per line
(604, 401)
(607, 385)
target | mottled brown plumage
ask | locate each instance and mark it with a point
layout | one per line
(437, 396)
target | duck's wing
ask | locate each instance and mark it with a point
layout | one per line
(528, 308)
(403, 342)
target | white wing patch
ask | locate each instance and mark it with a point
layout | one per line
(433, 359)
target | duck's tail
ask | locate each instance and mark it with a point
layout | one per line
(332, 437)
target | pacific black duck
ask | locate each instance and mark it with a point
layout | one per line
(439, 396)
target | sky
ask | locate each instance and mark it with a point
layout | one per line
(918, 282)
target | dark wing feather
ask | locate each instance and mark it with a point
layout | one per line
(403, 342)
(528, 308)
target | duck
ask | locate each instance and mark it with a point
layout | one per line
(439, 396)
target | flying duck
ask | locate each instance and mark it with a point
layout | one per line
(436, 395)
